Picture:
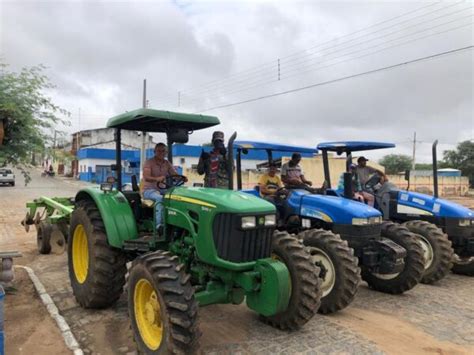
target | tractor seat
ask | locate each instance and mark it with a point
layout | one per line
(148, 203)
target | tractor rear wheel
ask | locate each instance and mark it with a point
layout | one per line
(161, 305)
(43, 237)
(339, 273)
(306, 292)
(437, 250)
(414, 266)
(464, 267)
(96, 270)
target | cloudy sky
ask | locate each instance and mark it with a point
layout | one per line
(197, 55)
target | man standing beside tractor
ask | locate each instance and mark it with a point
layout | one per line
(213, 165)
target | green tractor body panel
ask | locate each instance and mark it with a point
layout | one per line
(274, 292)
(195, 210)
(119, 221)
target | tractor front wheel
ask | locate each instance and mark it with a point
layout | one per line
(96, 270)
(305, 285)
(161, 305)
(436, 249)
(414, 262)
(339, 273)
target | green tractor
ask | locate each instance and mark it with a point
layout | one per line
(217, 246)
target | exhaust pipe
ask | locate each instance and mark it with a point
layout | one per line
(230, 160)
(435, 169)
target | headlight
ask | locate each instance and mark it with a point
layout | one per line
(464, 222)
(360, 221)
(375, 220)
(270, 220)
(248, 222)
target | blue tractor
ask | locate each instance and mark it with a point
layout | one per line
(440, 225)
(341, 234)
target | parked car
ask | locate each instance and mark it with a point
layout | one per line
(7, 177)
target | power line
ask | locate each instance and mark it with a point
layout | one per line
(293, 74)
(433, 56)
(222, 83)
(298, 71)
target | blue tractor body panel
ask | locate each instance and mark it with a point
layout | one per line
(434, 206)
(330, 209)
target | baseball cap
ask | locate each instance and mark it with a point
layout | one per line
(362, 159)
(218, 135)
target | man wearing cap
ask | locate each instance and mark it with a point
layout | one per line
(358, 193)
(214, 164)
(364, 172)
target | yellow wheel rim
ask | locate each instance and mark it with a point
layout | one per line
(80, 254)
(148, 314)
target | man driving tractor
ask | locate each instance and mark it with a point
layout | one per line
(155, 172)
(357, 191)
(269, 183)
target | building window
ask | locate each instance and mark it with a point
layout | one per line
(183, 160)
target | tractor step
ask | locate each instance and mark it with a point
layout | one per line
(140, 245)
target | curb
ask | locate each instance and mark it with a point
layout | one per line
(66, 332)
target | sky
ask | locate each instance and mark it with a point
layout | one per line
(197, 55)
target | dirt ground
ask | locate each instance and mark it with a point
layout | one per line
(430, 319)
(28, 325)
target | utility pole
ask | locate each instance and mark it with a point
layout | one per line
(414, 150)
(144, 135)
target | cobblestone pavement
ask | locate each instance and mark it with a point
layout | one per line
(428, 319)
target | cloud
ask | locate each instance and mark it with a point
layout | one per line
(98, 53)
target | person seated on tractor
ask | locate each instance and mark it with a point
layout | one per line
(213, 165)
(364, 172)
(155, 172)
(292, 174)
(269, 183)
(358, 193)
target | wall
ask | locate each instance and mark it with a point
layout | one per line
(447, 185)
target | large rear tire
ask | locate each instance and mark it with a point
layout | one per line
(161, 304)
(339, 273)
(96, 270)
(305, 285)
(437, 250)
(464, 267)
(414, 267)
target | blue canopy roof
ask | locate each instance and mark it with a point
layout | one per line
(274, 147)
(353, 146)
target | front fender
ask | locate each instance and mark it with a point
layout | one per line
(118, 218)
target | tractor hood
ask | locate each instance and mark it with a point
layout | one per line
(331, 209)
(224, 200)
(414, 201)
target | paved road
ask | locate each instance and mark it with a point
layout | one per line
(428, 319)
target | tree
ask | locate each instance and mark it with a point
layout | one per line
(395, 163)
(27, 115)
(461, 158)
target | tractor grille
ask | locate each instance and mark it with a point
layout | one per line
(237, 245)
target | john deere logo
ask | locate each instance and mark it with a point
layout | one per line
(261, 220)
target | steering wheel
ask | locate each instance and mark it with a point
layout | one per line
(172, 181)
(372, 182)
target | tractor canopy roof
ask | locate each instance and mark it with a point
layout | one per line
(273, 147)
(149, 120)
(353, 146)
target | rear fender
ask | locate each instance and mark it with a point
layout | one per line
(118, 218)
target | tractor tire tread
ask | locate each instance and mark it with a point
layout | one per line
(348, 273)
(442, 249)
(303, 304)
